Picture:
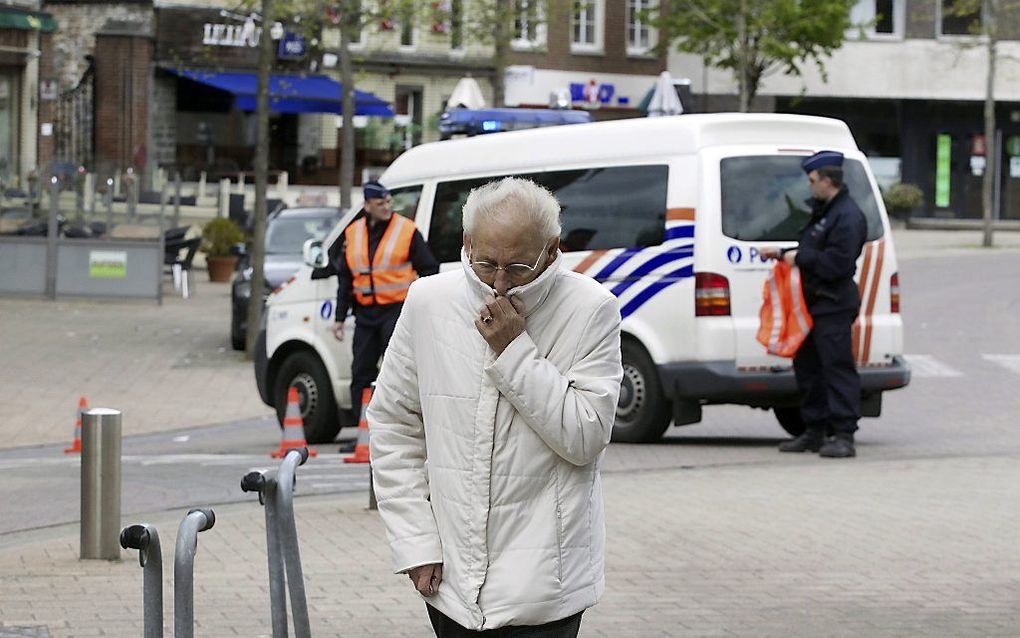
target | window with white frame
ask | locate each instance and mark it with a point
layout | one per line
(878, 17)
(959, 17)
(641, 37)
(527, 24)
(587, 25)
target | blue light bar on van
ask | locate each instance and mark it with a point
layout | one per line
(477, 122)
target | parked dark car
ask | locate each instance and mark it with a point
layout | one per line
(287, 230)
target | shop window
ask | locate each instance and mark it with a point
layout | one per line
(641, 37)
(587, 25)
(960, 17)
(591, 200)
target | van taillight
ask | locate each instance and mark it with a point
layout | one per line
(711, 295)
(894, 292)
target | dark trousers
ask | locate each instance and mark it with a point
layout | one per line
(565, 628)
(373, 327)
(827, 376)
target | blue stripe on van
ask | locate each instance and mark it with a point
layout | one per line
(671, 278)
(614, 265)
(680, 232)
(658, 260)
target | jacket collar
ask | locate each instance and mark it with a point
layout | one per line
(533, 294)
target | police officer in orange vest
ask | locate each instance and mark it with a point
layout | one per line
(383, 253)
(827, 255)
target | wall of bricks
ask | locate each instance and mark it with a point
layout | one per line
(123, 75)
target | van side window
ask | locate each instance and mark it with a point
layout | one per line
(764, 197)
(446, 231)
(405, 200)
(609, 207)
(595, 203)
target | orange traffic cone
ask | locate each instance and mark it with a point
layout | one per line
(83, 404)
(361, 447)
(293, 428)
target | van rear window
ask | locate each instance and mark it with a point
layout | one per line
(764, 197)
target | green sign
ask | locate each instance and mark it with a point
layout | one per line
(942, 155)
(107, 264)
(1013, 145)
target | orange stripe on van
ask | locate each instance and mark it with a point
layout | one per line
(680, 215)
(872, 296)
(589, 260)
(862, 320)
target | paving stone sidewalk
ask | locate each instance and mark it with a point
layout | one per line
(803, 548)
(165, 367)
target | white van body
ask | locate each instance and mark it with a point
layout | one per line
(662, 211)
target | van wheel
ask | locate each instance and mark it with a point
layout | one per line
(790, 419)
(642, 413)
(304, 371)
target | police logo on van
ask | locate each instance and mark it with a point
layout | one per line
(734, 254)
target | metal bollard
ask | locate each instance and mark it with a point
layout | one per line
(100, 483)
(197, 520)
(264, 483)
(276, 492)
(52, 226)
(145, 539)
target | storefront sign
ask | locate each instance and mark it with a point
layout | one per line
(942, 156)
(231, 35)
(107, 264)
(291, 47)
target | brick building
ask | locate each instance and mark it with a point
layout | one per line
(27, 92)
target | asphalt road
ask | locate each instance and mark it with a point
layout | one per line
(962, 338)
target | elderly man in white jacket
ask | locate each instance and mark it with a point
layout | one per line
(495, 402)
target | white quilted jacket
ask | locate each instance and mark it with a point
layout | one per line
(491, 465)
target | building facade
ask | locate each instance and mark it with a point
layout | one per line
(27, 94)
(912, 88)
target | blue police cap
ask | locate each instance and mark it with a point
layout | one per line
(822, 159)
(374, 190)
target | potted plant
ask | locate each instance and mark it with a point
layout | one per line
(902, 199)
(218, 237)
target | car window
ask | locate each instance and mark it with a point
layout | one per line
(764, 197)
(592, 200)
(287, 235)
(405, 200)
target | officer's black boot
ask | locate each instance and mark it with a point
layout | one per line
(812, 440)
(840, 446)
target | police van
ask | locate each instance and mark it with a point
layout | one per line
(669, 214)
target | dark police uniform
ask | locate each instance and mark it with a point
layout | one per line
(824, 366)
(827, 253)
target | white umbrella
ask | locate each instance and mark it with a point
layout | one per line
(664, 98)
(467, 94)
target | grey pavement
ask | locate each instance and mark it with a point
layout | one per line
(806, 548)
(711, 532)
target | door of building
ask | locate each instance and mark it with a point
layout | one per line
(9, 120)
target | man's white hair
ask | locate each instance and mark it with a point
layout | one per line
(494, 199)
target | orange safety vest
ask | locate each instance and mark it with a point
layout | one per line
(785, 321)
(387, 278)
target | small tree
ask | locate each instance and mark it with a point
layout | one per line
(754, 38)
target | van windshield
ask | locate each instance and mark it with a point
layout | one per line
(763, 197)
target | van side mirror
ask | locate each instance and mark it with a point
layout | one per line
(314, 255)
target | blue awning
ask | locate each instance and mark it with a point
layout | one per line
(288, 93)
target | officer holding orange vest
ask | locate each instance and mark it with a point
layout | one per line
(383, 253)
(826, 256)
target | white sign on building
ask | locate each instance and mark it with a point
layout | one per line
(231, 35)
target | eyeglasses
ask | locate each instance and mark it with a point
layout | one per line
(516, 272)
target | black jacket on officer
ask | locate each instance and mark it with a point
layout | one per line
(827, 253)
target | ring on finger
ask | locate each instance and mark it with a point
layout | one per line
(487, 319)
